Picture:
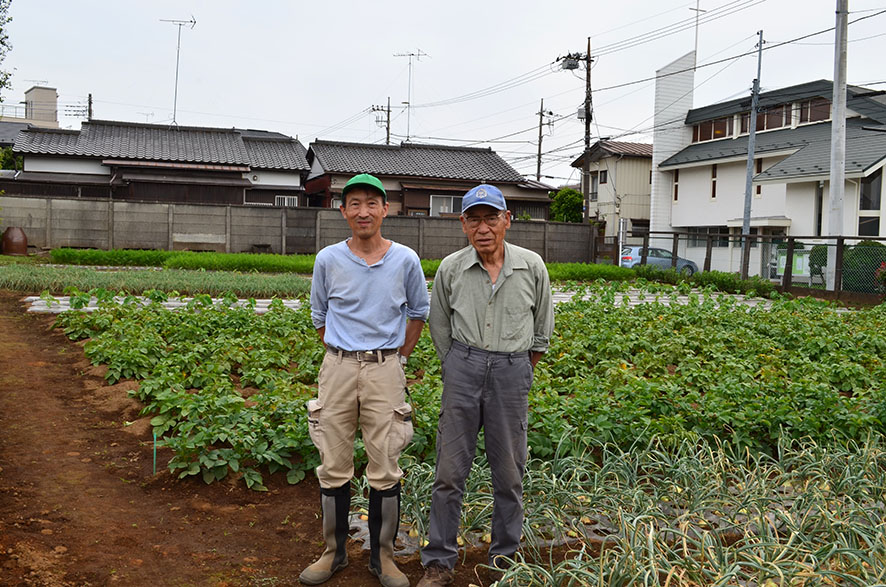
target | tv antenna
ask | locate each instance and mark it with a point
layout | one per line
(417, 54)
(178, 47)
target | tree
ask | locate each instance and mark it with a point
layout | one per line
(10, 161)
(5, 45)
(566, 206)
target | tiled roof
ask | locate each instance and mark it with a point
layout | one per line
(148, 142)
(809, 148)
(276, 154)
(413, 160)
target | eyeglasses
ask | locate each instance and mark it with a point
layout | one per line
(491, 220)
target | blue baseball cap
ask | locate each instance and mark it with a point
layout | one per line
(484, 194)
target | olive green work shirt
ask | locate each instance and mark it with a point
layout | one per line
(516, 315)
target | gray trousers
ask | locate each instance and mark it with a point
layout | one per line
(488, 390)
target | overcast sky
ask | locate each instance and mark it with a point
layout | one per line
(314, 69)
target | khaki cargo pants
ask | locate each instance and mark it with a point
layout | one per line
(371, 393)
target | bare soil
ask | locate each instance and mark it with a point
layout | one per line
(80, 504)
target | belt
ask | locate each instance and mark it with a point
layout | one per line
(375, 356)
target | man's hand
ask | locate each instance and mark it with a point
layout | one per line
(534, 357)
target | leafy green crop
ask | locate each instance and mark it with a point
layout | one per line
(226, 387)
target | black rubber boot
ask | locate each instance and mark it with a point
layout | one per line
(336, 509)
(384, 521)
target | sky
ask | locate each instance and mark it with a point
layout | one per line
(478, 69)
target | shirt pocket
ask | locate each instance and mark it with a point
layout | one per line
(517, 324)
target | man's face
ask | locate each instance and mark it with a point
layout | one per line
(475, 223)
(364, 210)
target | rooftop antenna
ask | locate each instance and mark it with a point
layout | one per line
(179, 24)
(146, 115)
(417, 54)
(698, 12)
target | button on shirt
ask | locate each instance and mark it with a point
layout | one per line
(515, 315)
(365, 307)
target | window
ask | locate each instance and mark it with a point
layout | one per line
(774, 117)
(736, 240)
(710, 130)
(592, 194)
(868, 226)
(676, 183)
(445, 205)
(768, 119)
(650, 177)
(698, 236)
(759, 168)
(871, 189)
(286, 201)
(815, 110)
(714, 181)
(604, 176)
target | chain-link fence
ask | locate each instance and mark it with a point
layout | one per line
(793, 263)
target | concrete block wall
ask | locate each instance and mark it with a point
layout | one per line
(567, 243)
(301, 234)
(103, 224)
(27, 213)
(76, 223)
(257, 227)
(141, 226)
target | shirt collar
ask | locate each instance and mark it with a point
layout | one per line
(512, 261)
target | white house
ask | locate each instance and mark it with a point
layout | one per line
(621, 182)
(699, 183)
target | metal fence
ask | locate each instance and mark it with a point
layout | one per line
(796, 264)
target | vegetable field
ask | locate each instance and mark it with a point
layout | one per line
(700, 444)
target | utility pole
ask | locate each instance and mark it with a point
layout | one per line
(387, 119)
(749, 176)
(179, 24)
(586, 168)
(570, 62)
(541, 119)
(838, 140)
(417, 55)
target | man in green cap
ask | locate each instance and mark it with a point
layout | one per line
(369, 302)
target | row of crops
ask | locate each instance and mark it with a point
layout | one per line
(700, 443)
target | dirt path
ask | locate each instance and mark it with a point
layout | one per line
(80, 505)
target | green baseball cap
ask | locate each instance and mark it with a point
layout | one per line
(364, 179)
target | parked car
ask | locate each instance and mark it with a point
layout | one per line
(631, 256)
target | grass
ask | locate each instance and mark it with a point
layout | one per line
(37, 278)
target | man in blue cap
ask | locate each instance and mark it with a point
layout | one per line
(369, 302)
(491, 320)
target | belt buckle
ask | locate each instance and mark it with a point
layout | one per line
(365, 355)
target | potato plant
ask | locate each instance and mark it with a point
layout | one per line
(226, 388)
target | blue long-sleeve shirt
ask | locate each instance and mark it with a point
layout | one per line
(365, 307)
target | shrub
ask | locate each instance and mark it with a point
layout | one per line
(860, 264)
